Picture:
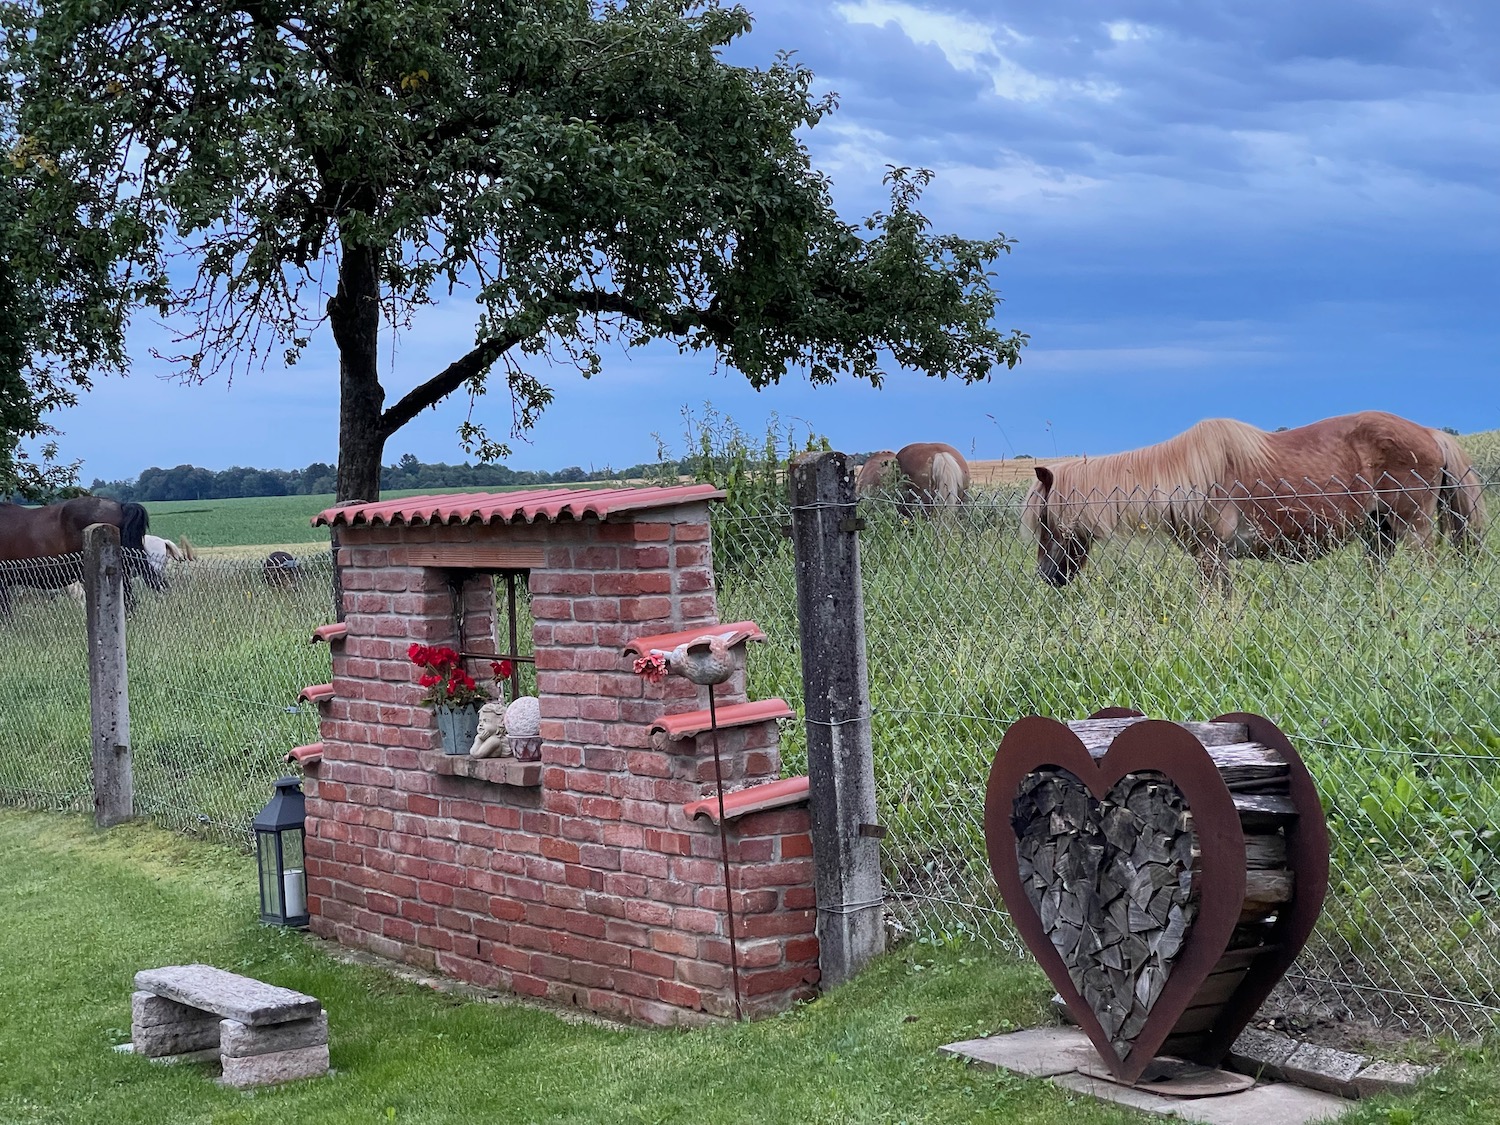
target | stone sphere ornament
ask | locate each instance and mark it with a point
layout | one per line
(523, 725)
(1164, 875)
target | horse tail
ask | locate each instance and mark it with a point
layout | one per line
(134, 523)
(185, 546)
(1461, 512)
(949, 479)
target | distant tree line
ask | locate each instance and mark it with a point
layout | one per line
(189, 482)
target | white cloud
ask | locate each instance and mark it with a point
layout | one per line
(1124, 31)
(971, 46)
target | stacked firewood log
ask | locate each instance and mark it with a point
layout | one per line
(1114, 881)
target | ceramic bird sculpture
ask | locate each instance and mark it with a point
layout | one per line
(704, 660)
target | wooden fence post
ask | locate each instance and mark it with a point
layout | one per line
(840, 765)
(104, 581)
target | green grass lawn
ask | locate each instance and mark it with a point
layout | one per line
(84, 910)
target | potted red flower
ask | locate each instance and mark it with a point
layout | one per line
(454, 695)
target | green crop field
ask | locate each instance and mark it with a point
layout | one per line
(271, 521)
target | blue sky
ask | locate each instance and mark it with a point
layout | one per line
(1264, 209)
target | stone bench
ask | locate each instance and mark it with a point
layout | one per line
(261, 1033)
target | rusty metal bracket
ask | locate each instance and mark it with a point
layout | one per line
(852, 523)
(875, 831)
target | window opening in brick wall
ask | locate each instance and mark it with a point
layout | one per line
(510, 632)
(513, 615)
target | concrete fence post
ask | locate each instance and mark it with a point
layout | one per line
(841, 769)
(104, 579)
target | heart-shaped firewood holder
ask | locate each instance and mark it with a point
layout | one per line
(1165, 875)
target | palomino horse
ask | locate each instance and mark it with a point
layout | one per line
(922, 476)
(32, 539)
(1226, 490)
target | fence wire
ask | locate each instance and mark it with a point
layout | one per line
(215, 662)
(1386, 678)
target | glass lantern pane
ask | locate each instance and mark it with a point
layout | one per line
(270, 877)
(291, 848)
(294, 882)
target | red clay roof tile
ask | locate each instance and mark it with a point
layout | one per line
(330, 633)
(316, 693)
(546, 504)
(756, 798)
(689, 723)
(304, 756)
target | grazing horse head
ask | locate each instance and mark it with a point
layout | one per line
(1062, 545)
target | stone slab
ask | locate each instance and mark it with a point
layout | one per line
(1389, 1078)
(1261, 1054)
(230, 995)
(1125, 1095)
(150, 1010)
(238, 1040)
(1276, 1103)
(1324, 1068)
(1040, 1052)
(164, 1027)
(277, 1066)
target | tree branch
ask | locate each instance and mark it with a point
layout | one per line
(445, 382)
(479, 359)
(678, 323)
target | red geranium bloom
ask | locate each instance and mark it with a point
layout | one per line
(653, 666)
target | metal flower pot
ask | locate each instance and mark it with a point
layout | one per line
(459, 725)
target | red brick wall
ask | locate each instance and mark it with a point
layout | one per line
(593, 888)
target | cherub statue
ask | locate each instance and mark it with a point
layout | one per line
(491, 741)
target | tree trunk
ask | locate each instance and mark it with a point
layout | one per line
(354, 315)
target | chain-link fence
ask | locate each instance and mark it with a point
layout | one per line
(215, 661)
(1387, 679)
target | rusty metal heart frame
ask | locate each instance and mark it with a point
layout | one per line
(1162, 747)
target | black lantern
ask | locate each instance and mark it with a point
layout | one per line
(278, 855)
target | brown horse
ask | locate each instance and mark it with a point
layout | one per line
(35, 542)
(1226, 490)
(922, 476)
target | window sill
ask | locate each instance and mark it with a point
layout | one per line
(495, 771)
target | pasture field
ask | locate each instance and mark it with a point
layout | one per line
(1388, 682)
(215, 665)
(274, 521)
(86, 909)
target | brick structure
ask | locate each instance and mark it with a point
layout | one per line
(592, 877)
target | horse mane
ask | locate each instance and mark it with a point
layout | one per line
(1167, 484)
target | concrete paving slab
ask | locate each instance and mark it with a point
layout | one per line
(1039, 1053)
(1058, 1052)
(1389, 1078)
(1324, 1068)
(1127, 1095)
(1261, 1054)
(1278, 1103)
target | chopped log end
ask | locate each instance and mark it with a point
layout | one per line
(1112, 884)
